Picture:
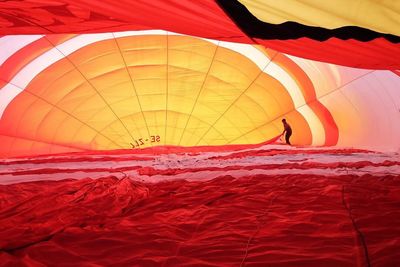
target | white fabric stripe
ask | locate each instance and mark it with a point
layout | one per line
(31, 70)
(7, 94)
(25, 76)
(198, 176)
(202, 160)
(10, 44)
(76, 43)
(138, 33)
(316, 127)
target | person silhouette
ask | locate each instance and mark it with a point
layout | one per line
(288, 131)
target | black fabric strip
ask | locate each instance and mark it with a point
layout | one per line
(256, 28)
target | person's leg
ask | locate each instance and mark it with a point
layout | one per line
(287, 136)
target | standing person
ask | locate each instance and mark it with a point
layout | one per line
(288, 131)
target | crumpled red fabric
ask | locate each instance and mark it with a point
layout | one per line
(280, 220)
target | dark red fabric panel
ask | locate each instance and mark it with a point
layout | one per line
(396, 72)
(198, 18)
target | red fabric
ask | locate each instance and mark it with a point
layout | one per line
(375, 54)
(291, 220)
(256, 220)
(199, 18)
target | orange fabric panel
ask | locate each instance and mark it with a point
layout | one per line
(304, 82)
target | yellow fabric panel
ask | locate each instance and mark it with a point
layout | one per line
(380, 16)
(246, 113)
(178, 89)
(258, 135)
(151, 126)
(45, 83)
(102, 68)
(271, 95)
(56, 125)
(173, 130)
(191, 133)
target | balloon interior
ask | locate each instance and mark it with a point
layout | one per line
(199, 133)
